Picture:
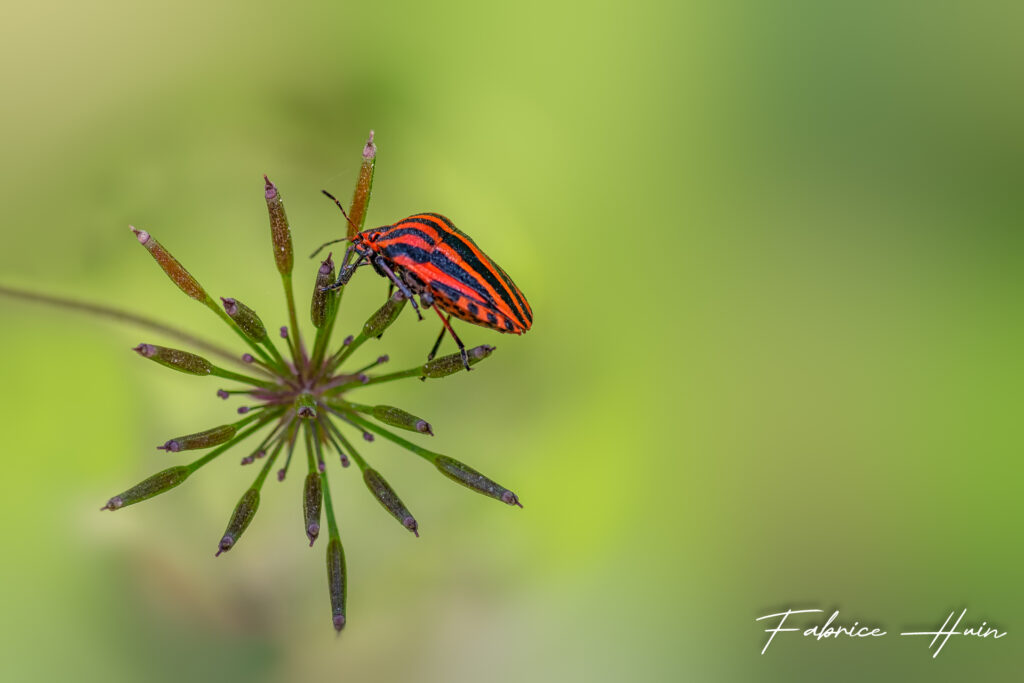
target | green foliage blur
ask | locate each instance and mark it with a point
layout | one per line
(774, 256)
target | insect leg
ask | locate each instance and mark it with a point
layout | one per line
(437, 344)
(448, 327)
(379, 262)
(346, 273)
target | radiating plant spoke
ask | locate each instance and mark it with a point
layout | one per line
(293, 395)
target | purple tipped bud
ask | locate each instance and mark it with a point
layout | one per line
(206, 439)
(323, 303)
(370, 150)
(383, 492)
(467, 476)
(510, 498)
(321, 466)
(336, 582)
(113, 504)
(384, 316)
(224, 545)
(142, 235)
(410, 524)
(182, 361)
(243, 514)
(230, 306)
(367, 436)
(312, 499)
(246, 319)
(248, 358)
(223, 394)
(306, 405)
(280, 233)
(396, 417)
(284, 331)
(155, 485)
(383, 359)
(174, 270)
(280, 474)
(348, 340)
(447, 365)
(248, 460)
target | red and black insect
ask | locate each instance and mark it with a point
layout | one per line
(427, 256)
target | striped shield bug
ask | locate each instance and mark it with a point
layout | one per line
(425, 255)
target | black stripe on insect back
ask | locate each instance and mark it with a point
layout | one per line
(457, 240)
(415, 254)
(452, 269)
(516, 293)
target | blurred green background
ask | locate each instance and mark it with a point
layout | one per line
(774, 254)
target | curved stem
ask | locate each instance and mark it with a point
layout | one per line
(118, 315)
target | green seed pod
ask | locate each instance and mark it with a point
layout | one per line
(246, 319)
(312, 499)
(389, 499)
(155, 485)
(211, 437)
(384, 316)
(448, 365)
(306, 405)
(243, 514)
(361, 196)
(182, 361)
(320, 309)
(280, 233)
(170, 265)
(396, 417)
(467, 476)
(336, 581)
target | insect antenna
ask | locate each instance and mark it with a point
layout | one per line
(331, 196)
(321, 247)
(343, 213)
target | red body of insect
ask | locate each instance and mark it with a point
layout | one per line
(446, 268)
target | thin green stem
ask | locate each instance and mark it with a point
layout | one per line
(264, 419)
(319, 344)
(422, 452)
(344, 352)
(120, 316)
(227, 374)
(332, 525)
(293, 432)
(258, 484)
(246, 420)
(294, 335)
(309, 446)
(318, 442)
(380, 379)
(348, 446)
(234, 326)
(268, 342)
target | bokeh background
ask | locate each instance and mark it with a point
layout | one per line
(774, 252)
